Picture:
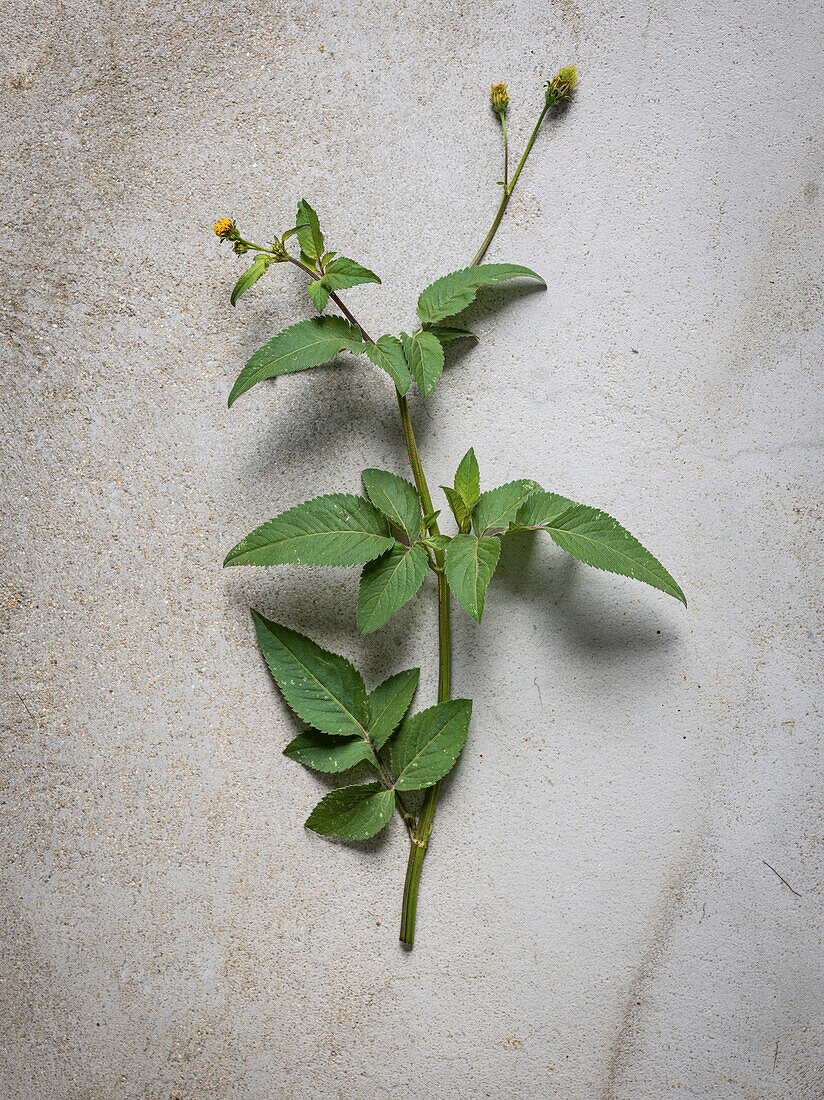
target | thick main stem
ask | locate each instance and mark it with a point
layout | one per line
(419, 842)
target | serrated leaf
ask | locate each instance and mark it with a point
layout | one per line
(387, 353)
(343, 273)
(540, 507)
(250, 276)
(388, 703)
(597, 539)
(470, 563)
(318, 293)
(499, 507)
(322, 688)
(424, 355)
(299, 347)
(437, 542)
(388, 583)
(353, 813)
(337, 529)
(309, 234)
(462, 514)
(445, 333)
(339, 275)
(468, 479)
(452, 293)
(396, 498)
(327, 754)
(427, 745)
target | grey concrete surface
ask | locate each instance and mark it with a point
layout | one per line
(597, 919)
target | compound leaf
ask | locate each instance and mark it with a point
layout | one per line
(307, 344)
(397, 499)
(427, 745)
(322, 688)
(388, 703)
(353, 813)
(452, 293)
(387, 353)
(388, 583)
(470, 563)
(337, 529)
(327, 754)
(499, 507)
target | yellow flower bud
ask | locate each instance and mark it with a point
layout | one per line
(500, 99)
(559, 90)
(225, 229)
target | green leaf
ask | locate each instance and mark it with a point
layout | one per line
(397, 499)
(322, 688)
(343, 273)
(468, 479)
(541, 507)
(470, 563)
(353, 813)
(597, 539)
(388, 583)
(309, 234)
(424, 354)
(337, 529)
(428, 744)
(445, 333)
(324, 754)
(306, 344)
(339, 275)
(388, 703)
(387, 353)
(462, 514)
(318, 293)
(437, 542)
(452, 293)
(251, 276)
(499, 507)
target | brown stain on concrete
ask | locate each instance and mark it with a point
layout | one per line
(628, 1039)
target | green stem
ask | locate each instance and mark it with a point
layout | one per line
(419, 842)
(506, 155)
(421, 832)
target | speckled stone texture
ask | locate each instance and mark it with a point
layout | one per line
(597, 920)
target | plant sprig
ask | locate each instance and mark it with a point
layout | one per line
(393, 533)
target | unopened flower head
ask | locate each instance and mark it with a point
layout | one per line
(500, 99)
(559, 90)
(279, 251)
(226, 229)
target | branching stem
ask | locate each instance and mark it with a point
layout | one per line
(420, 831)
